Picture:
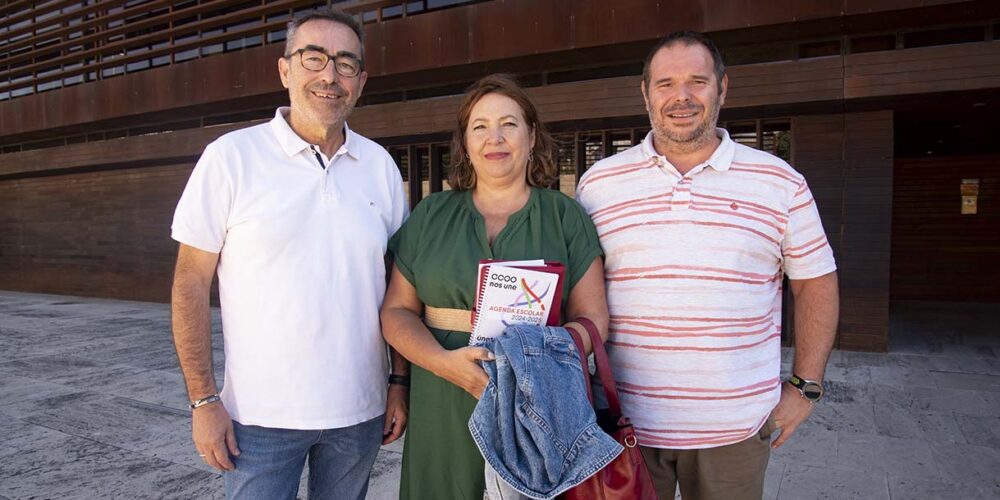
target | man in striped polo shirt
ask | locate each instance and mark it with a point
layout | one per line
(698, 233)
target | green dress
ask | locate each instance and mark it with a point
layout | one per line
(438, 250)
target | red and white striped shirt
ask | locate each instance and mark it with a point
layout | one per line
(694, 266)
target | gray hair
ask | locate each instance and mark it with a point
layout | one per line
(326, 14)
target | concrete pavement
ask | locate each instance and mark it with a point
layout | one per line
(93, 406)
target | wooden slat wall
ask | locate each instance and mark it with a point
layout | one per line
(752, 85)
(808, 80)
(969, 66)
(604, 98)
(937, 253)
(251, 73)
(847, 160)
(930, 69)
(103, 234)
(155, 148)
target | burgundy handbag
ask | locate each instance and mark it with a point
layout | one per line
(626, 477)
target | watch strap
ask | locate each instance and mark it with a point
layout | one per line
(403, 380)
(801, 383)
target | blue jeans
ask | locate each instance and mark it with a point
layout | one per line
(271, 460)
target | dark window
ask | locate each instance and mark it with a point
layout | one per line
(52, 143)
(256, 114)
(566, 154)
(776, 138)
(620, 141)
(593, 147)
(948, 36)
(744, 133)
(761, 53)
(576, 75)
(442, 90)
(874, 43)
(391, 12)
(402, 157)
(381, 98)
(819, 49)
(772, 136)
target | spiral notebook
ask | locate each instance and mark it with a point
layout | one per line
(516, 292)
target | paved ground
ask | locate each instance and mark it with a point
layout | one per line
(92, 406)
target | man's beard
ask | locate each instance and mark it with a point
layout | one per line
(684, 141)
(339, 109)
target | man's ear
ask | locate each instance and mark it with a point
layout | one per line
(283, 68)
(645, 98)
(725, 88)
(362, 78)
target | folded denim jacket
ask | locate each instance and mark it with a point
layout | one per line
(534, 424)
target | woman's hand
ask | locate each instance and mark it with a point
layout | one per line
(461, 367)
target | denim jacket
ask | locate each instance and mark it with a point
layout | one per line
(534, 424)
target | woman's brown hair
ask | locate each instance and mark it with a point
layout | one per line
(541, 171)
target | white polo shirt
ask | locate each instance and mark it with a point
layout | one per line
(694, 265)
(301, 271)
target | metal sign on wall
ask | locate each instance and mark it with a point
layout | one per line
(970, 196)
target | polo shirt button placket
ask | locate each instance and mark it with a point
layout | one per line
(325, 168)
(327, 181)
(682, 194)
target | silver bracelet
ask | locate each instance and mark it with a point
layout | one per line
(204, 401)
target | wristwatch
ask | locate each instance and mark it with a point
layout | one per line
(810, 389)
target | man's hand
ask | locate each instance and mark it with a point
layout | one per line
(212, 431)
(792, 410)
(395, 412)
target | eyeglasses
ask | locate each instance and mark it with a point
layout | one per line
(316, 60)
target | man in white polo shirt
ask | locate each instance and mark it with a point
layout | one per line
(698, 232)
(294, 215)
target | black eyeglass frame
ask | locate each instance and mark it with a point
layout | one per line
(357, 62)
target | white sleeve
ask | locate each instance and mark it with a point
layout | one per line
(805, 251)
(202, 216)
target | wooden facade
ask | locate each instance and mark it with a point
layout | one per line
(90, 171)
(926, 215)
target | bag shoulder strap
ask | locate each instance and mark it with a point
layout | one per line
(603, 366)
(583, 362)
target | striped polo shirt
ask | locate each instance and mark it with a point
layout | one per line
(694, 265)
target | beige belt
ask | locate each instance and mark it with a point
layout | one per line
(458, 320)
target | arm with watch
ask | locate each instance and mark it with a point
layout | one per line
(397, 398)
(817, 308)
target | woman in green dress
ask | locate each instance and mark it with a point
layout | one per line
(499, 208)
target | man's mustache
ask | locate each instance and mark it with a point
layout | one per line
(329, 89)
(684, 107)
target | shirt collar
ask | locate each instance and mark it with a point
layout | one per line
(721, 159)
(292, 144)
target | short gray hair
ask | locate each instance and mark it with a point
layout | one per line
(326, 14)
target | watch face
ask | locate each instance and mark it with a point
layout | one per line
(812, 391)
